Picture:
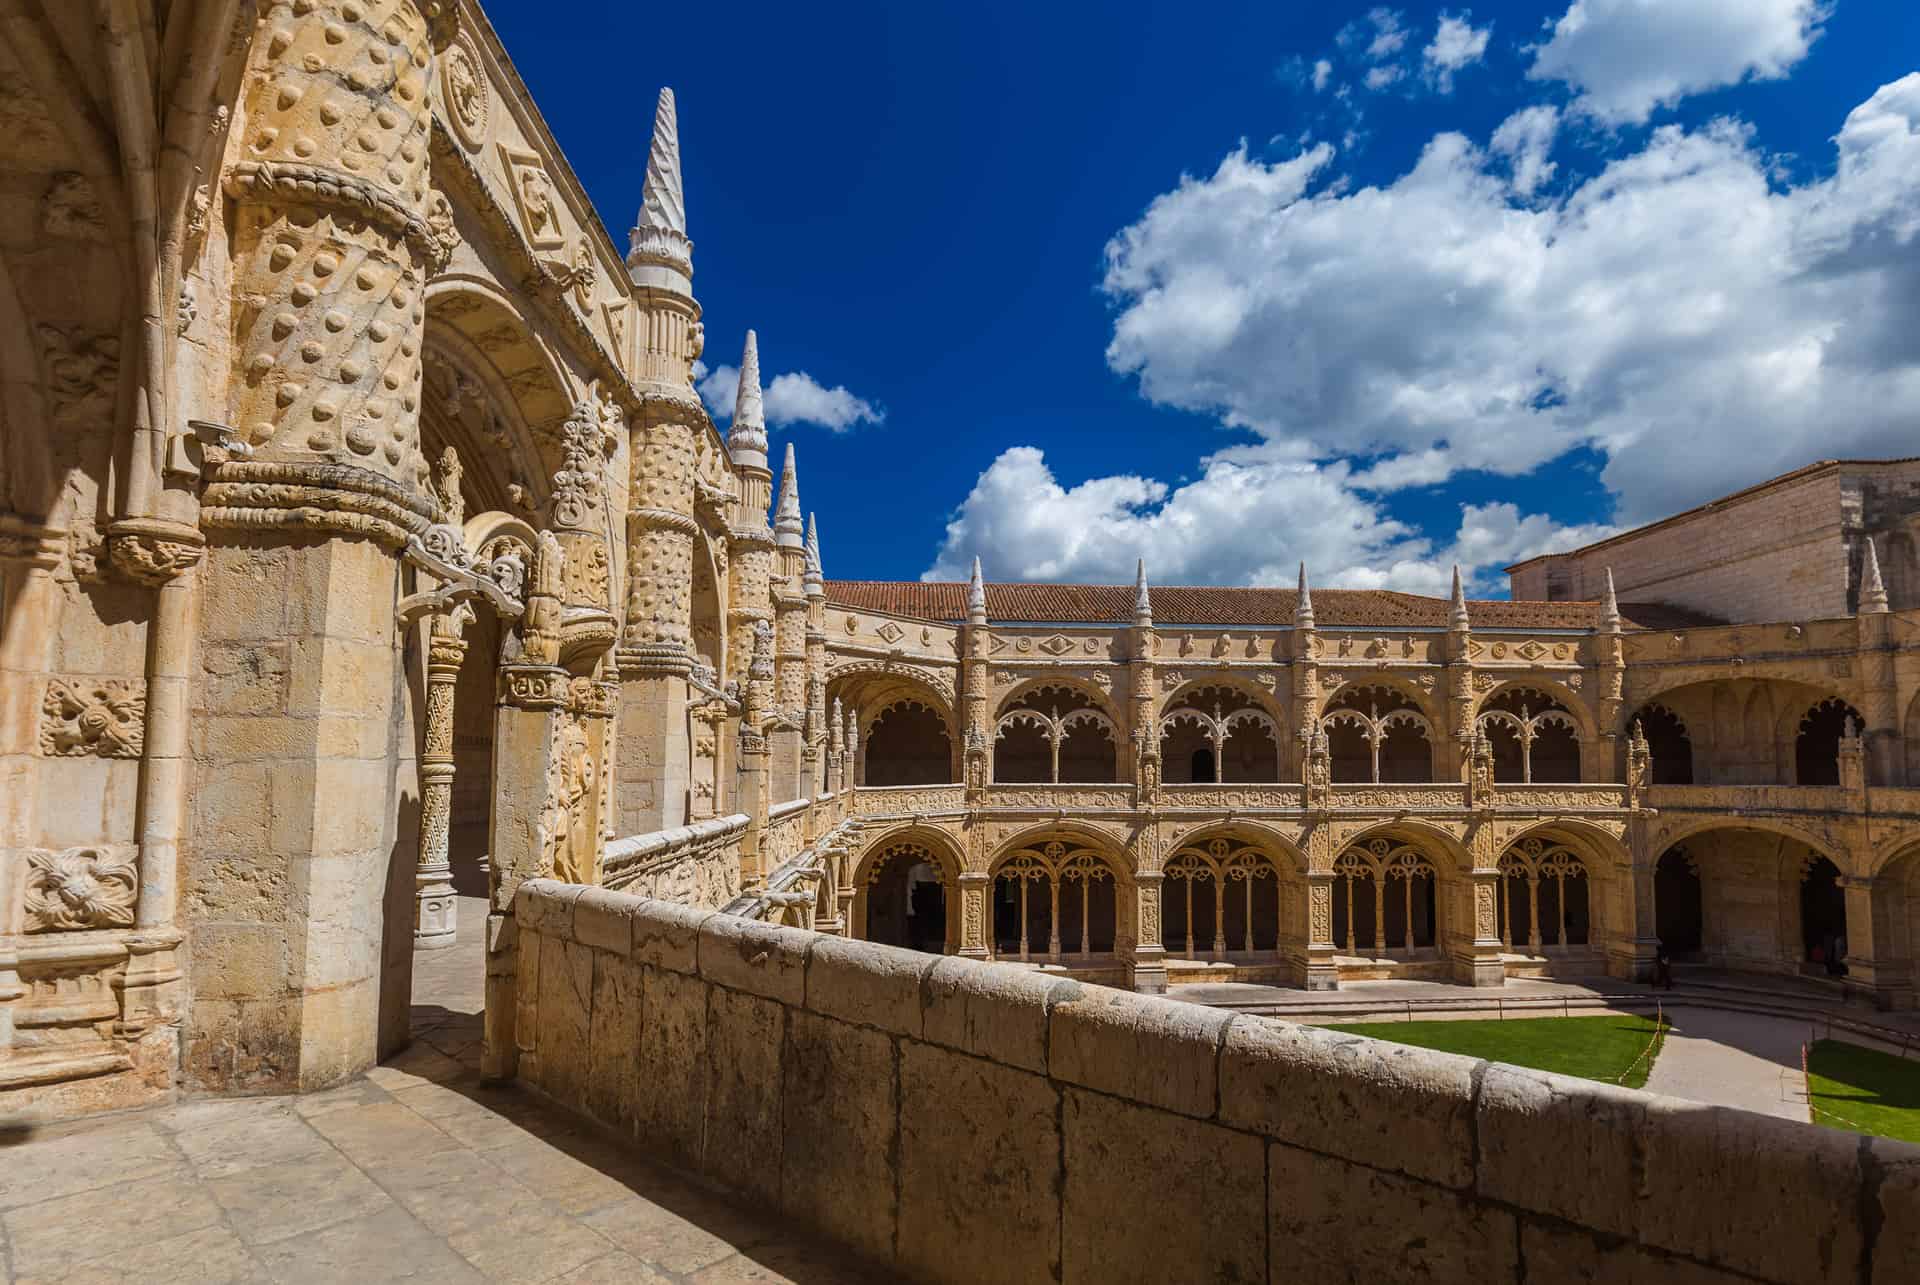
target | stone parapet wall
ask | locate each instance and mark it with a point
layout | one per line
(960, 1121)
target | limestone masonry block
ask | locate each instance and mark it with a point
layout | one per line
(755, 957)
(1580, 1257)
(1386, 1105)
(604, 921)
(1898, 1247)
(837, 1165)
(1214, 1176)
(1598, 1123)
(566, 1007)
(1161, 1052)
(996, 1013)
(746, 1040)
(667, 1080)
(1335, 1221)
(545, 906)
(1717, 1179)
(668, 936)
(870, 985)
(979, 1165)
(613, 1040)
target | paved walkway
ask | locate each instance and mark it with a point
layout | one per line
(1733, 1059)
(414, 1172)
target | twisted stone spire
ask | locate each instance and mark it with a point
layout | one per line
(1142, 604)
(747, 435)
(976, 597)
(660, 234)
(1610, 608)
(1303, 604)
(1873, 593)
(789, 532)
(1457, 618)
(815, 579)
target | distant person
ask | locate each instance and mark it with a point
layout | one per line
(1662, 968)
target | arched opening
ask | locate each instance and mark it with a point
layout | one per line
(1378, 734)
(1218, 898)
(1384, 900)
(1545, 898)
(1668, 745)
(1218, 733)
(1055, 733)
(1823, 917)
(1054, 901)
(906, 899)
(908, 744)
(1816, 750)
(1678, 907)
(1535, 738)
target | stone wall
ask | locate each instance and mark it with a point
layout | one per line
(960, 1121)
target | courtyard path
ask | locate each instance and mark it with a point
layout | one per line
(1733, 1059)
(414, 1172)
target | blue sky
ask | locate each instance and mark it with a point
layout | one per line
(1228, 286)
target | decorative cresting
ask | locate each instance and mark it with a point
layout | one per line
(336, 229)
(93, 887)
(1524, 726)
(1220, 862)
(1377, 862)
(106, 718)
(1055, 727)
(1218, 728)
(1375, 727)
(1529, 863)
(1055, 863)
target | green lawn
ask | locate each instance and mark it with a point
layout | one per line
(1595, 1048)
(1865, 1090)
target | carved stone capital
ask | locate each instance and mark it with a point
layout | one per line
(652, 660)
(153, 552)
(534, 686)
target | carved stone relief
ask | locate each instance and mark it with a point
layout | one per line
(106, 719)
(80, 888)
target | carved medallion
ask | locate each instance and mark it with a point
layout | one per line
(464, 89)
(80, 888)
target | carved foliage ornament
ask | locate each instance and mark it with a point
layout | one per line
(80, 888)
(106, 718)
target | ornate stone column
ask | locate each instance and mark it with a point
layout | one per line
(335, 231)
(655, 652)
(1476, 954)
(975, 889)
(1321, 973)
(975, 681)
(1141, 682)
(1458, 740)
(1148, 966)
(434, 905)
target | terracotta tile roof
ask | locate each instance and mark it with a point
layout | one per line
(1198, 605)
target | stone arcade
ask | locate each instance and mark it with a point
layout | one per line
(363, 543)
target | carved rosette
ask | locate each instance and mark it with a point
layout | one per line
(533, 686)
(336, 230)
(104, 719)
(80, 888)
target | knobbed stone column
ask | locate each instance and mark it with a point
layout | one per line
(434, 913)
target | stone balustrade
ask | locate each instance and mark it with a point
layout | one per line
(959, 1121)
(696, 864)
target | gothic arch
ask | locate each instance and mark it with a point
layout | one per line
(1262, 698)
(1768, 825)
(944, 847)
(875, 874)
(1071, 832)
(1570, 701)
(1432, 708)
(1100, 700)
(1288, 857)
(520, 388)
(1420, 834)
(1593, 841)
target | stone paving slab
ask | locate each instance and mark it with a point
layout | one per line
(414, 1172)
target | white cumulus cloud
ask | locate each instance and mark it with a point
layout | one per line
(1248, 519)
(793, 398)
(1456, 45)
(1526, 140)
(1624, 58)
(1322, 73)
(1673, 305)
